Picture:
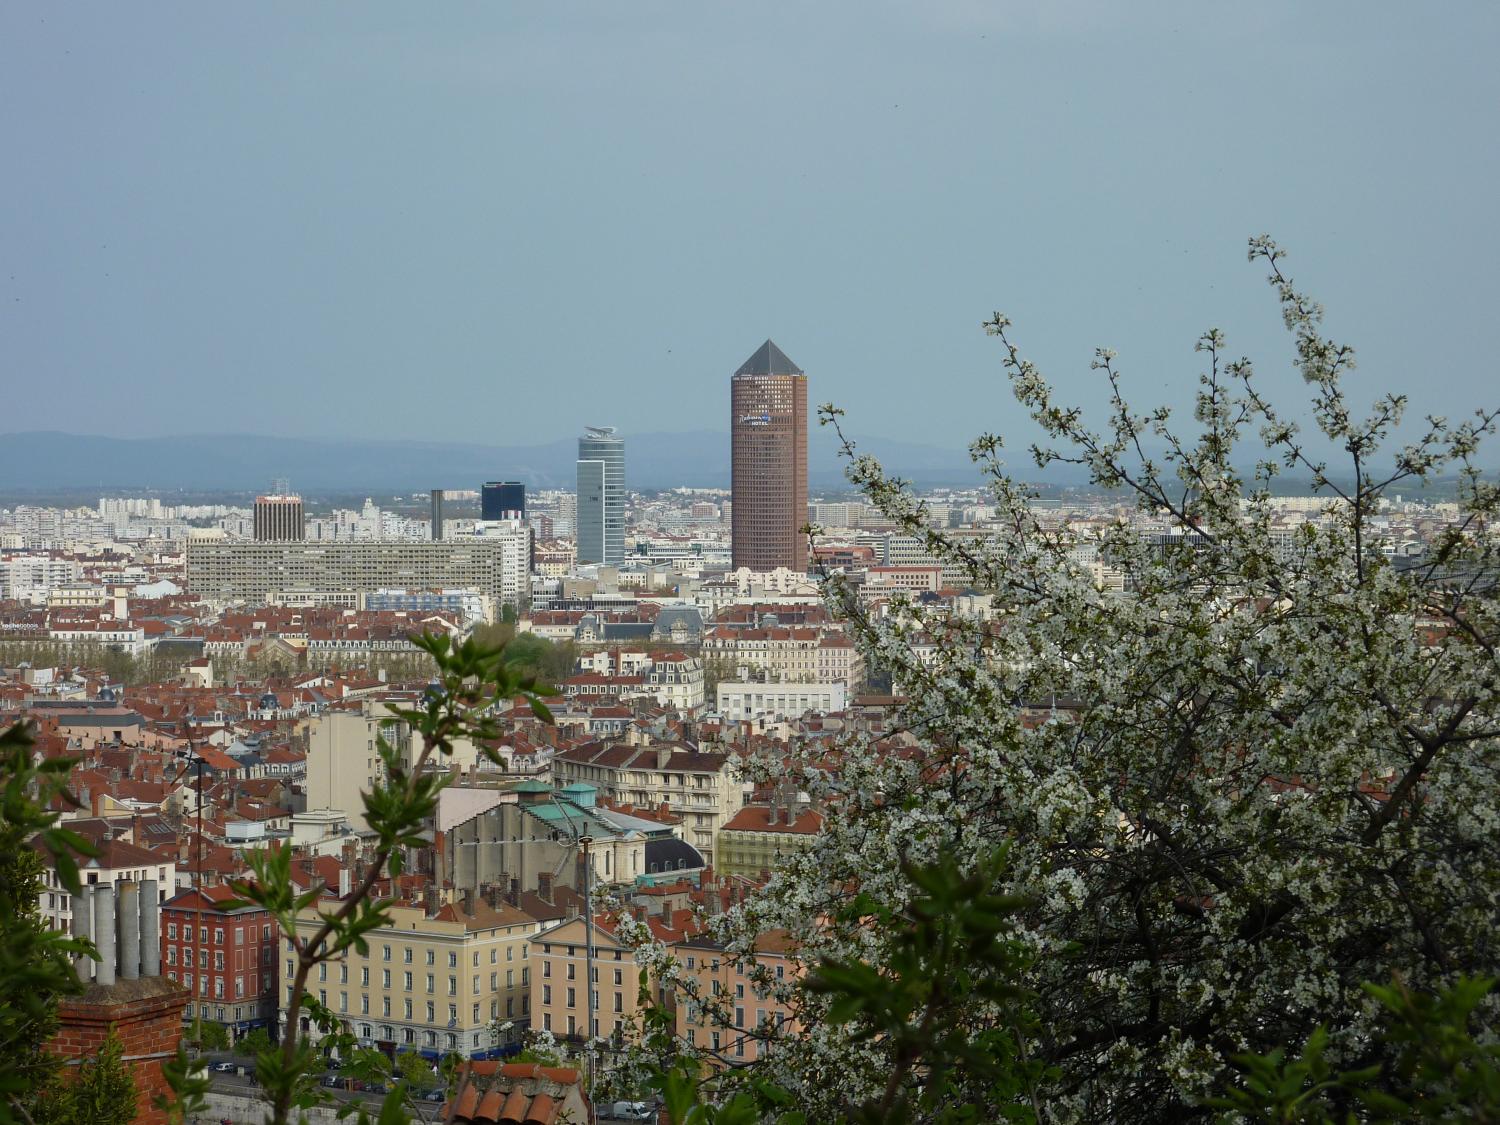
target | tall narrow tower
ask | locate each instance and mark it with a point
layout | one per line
(768, 431)
(601, 496)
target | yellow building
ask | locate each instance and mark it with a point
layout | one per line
(431, 982)
(758, 836)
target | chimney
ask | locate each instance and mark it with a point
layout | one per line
(544, 887)
(468, 900)
(104, 933)
(663, 754)
(513, 895)
(666, 909)
(130, 930)
(83, 965)
(343, 882)
(150, 929)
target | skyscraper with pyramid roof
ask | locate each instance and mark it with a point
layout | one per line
(768, 434)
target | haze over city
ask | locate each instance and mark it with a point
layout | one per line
(306, 222)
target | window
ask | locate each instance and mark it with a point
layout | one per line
(431, 1012)
(476, 1014)
(452, 960)
(619, 978)
(323, 971)
(739, 991)
(343, 1001)
(408, 1008)
(476, 985)
(406, 982)
(385, 978)
(572, 971)
(364, 976)
(364, 1006)
(452, 1013)
(739, 1017)
(171, 955)
(572, 998)
(619, 1002)
(546, 994)
(218, 937)
(452, 986)
(187, 956)
(343, 972)
(430, 985)
(385, 1009)
(431, 957)
(476, 958)
(546, 968)
(510, 978)
(171, 931)
(494, 982)
(494, 954)
(406, 953)
(385, 953)
(510, 953)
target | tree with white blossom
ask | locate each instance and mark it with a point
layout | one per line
(1266, 773)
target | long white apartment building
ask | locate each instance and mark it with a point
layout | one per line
(495, 564)
(779, 700)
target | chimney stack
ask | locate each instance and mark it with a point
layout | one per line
(83, 928)
(104, 933)
(544, 887)
(150, 929)
(130, 930)
(343, 882)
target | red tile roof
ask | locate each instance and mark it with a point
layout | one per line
(492, 1093)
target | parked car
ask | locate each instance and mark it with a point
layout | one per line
(633, 1111)
(434, 1096)
(224, 1067)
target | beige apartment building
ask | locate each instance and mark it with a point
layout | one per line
(343, 762)
(431, 982)
(736, 1024)
(783, 654)
(700, 787)
(558, 1001)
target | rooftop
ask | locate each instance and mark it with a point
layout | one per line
(769, 360)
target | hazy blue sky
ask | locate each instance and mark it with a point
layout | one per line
(498, 222)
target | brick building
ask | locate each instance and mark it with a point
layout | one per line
(225, 957)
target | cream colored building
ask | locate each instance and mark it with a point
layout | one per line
(343, 761)
(558, 1001)
(431, 982)
(699, 786)
(736, 1021)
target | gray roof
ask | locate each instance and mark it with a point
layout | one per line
(671, 854)
(769, 360)
(673, 615)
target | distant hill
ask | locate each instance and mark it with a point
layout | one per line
(39, 460)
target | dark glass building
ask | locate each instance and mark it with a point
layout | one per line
(502, 500)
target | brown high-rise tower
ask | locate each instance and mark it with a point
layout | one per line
(768, 428)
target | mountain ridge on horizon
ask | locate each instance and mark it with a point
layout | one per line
(55, 459)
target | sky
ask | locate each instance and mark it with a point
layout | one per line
(500, 222)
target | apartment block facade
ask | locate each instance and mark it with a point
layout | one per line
(495, 564)
(431, 982)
